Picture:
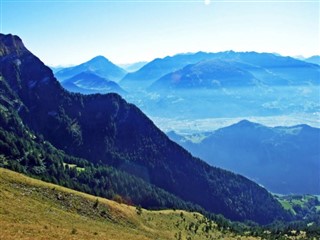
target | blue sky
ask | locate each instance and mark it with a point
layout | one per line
(71, 32)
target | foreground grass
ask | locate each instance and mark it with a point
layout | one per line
(32, 209)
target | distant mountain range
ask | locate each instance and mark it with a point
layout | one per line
(223, 84)
(206, 74)
(98, 65)
(88, 83)
(157, 68)
(119, 150)
(201, 71)
(283, 159)
(266, 68)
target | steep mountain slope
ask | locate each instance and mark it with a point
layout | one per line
(24, 151)
(88, 83)
(98, 65)
(105, 129)
(283, 159)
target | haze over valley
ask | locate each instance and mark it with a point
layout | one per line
(196, 94)
(270, 89)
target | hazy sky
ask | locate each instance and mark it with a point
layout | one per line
(71, 32)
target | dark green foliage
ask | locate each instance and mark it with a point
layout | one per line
(74, 231)
(97, 180)
(96, 203)
(139, 210)
(42, 160)
(306, 207)
(23, 151)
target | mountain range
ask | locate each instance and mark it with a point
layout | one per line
(44, 127)
(269, 69)
(159, 67)
(201, 70)
(222, 85)
(283, 159)
(206, 74)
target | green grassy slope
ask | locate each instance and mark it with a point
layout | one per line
(301, 205)
(32, 209)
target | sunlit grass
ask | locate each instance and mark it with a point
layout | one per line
(32, 209)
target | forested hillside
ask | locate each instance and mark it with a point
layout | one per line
(106, 130)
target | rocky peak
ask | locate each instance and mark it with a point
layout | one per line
(11, 44)
(24, 72)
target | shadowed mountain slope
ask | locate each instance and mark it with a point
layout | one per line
(107, 130)
(283, 159)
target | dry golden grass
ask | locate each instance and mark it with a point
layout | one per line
(32, 209)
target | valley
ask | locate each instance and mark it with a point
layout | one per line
(206, 110)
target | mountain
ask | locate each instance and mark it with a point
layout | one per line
(268, 68)
(133, 67)
(314, 59)
(24, 151)
(206, 74)
(88, 82)
(283, 159)
(98, 65)
(107, 131)
(157, 68)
